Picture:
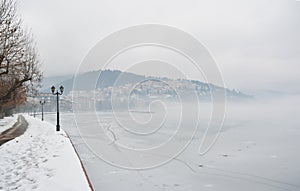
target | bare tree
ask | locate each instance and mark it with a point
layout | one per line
(19, 64)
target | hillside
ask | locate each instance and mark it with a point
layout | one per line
(96, 80)
(83, 81)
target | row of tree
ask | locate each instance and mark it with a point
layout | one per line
(19, 64)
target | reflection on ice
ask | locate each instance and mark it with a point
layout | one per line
(256, 149)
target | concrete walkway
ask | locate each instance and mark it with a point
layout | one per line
(18, 129)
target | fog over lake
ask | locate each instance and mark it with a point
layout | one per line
(255, 150)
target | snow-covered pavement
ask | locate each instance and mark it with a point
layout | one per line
(40, 159)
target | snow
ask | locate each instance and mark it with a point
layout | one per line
(40, 159)
(7, 122)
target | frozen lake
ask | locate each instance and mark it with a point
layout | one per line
(257, 148)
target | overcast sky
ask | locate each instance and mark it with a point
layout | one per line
(256, 43)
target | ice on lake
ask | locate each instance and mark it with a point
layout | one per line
(255, 150)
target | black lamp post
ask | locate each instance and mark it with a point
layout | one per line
(61, 88)
(42, 102)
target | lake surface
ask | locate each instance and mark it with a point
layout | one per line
(257, 148)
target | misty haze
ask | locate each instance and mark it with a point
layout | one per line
(143, 96)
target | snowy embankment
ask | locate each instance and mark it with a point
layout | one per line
(7, 122)
(41, 159)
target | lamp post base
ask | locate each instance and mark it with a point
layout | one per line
(57, 127)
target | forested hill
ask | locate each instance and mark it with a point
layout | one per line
(108, 78)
